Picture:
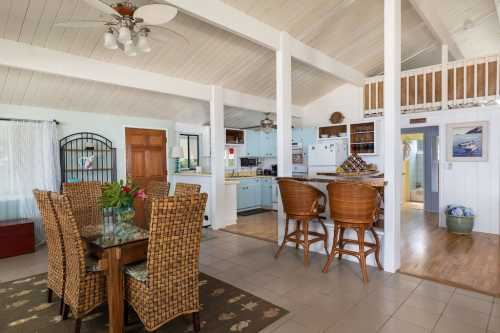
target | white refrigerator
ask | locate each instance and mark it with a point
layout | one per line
(326, 156)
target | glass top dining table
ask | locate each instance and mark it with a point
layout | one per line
(108, 235)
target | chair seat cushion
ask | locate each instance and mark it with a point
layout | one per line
(91, 264)
(137, 271)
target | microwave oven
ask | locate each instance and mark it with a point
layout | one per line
(248, 162)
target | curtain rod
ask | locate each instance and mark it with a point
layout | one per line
(30, 120)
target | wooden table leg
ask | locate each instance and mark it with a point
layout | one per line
(114, 280)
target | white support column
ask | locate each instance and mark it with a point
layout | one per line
(392, 116)
(283, 116)
(217, 141)
(444, 77)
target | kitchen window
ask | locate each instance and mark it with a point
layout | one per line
(190, 145)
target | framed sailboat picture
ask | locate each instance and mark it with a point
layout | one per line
(467, 142)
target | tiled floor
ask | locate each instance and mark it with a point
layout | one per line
(333, 302)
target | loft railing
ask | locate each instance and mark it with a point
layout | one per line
(467, 83)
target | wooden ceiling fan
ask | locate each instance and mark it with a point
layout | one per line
(129, 27)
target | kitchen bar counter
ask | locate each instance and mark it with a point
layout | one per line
(376, 180)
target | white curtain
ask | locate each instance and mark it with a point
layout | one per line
(29, 159)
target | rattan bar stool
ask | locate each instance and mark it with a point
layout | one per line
(304, 204)
(354, 206)
(186, 188)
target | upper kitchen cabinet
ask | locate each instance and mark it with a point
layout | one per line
(296, 135)
(235, 136)
(252, 141)
(268, 143)
(308, 136)
(363, 138)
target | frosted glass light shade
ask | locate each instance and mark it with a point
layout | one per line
(124, 35)
(130, 50)
(143, 43)
(110, 40)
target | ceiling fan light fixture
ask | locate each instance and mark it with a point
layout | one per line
(143, 42)
(124, 35)
(130, 49)
(110, 40)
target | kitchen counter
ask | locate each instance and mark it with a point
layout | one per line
(235, 178)
(376, 180)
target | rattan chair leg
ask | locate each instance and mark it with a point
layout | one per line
(377, 249)
(61, 306)
(334, 248)
(305, 228)
(78, 325)
(362, 257)
(341, 243)
(196, 321)
(65, 312)
(285, 239)
(297, 228)
(325, 239)
(49, 295)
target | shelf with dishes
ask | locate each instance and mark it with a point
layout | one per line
(362, 136)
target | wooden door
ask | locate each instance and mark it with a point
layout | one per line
(146, 151)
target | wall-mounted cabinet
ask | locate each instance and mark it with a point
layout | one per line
(268, 143)
(235, 136)
(362, 138)
(332, 132)
(252, 143)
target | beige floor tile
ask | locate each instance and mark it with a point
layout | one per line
(466, 316)
(383, 305)
(316, 319)
(494, 325)
(474, 294)
(495, 312)
(449, 325)
(471, 303)
(435, 291)
(417, 316)
(425, 303)
(293, 327)
(274, 326)
(25, 265)
(395, 325)
(396, 295)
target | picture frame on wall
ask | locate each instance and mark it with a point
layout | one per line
(467, 142)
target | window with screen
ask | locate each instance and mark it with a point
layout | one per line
(190, 145)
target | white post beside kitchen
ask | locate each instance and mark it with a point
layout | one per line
(392, 115)
(217, 141)
(283, 117)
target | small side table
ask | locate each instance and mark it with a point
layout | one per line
(16, 237)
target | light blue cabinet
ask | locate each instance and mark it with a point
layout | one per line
(266, 188)
(268, 143)
(308, 137)
(297, 135)
(249, 194)
(252, 140)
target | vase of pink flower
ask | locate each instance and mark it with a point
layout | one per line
(120, 196)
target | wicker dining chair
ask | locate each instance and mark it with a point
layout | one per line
(85, 202)
(154, 188)
(165, 286)
(304, 204)
(185, 188)
(85, 283)
(354, 206)
(56, 265)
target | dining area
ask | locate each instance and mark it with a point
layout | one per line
(98, 257)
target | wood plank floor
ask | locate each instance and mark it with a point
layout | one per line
(261, 226)
(427, 251)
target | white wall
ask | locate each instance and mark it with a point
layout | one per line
(474, 184)
(109, 126)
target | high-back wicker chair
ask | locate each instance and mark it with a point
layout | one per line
(185, 188)
(154, 189)
(84, 198)
(303, 203)
(85, 285)
(56, 270)
(354, 206)
(166, 285)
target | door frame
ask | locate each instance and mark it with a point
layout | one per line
(167, 148)
(426, 131)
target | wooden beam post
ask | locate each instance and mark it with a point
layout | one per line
(217, 141)
(392, 116)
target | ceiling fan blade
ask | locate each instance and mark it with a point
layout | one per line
(165, 35)
(252, 127)
(156, 14)
(81, 24)
(101, 6)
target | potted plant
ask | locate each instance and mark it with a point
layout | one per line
(459, 219)
(119, 196)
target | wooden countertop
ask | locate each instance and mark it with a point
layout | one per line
(376, 180)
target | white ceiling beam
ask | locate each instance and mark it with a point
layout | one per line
(497, 6)
(27, 57)
(426, 9)
(230, 19)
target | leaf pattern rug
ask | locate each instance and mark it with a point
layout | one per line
(225, 308)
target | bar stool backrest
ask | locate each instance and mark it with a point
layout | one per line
(353, 203)
(300, 199)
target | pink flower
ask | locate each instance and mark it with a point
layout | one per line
(140, 194)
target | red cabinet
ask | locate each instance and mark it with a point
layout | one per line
(16, 237)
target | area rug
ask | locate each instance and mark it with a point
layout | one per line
(225, 308)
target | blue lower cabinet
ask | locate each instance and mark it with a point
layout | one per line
(249, 194)
(266, 189)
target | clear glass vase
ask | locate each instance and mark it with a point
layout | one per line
(124, 215)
